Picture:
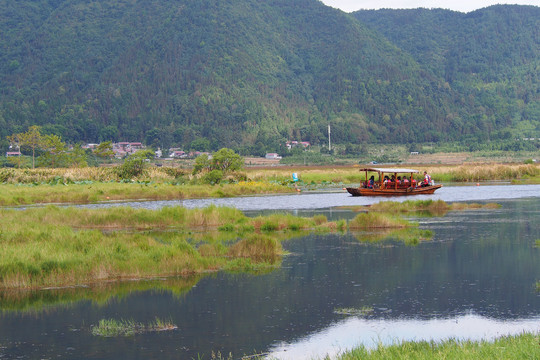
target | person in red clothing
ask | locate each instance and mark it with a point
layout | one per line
(427, 179)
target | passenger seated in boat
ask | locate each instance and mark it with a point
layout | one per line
(402, 183)
(371, 182)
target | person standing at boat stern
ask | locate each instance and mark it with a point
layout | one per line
(427, 179)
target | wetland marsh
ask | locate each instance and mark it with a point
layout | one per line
(476, 272)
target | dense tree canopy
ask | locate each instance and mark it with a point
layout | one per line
(250, 74)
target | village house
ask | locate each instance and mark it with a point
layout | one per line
(178, 154)
(90, 146)
(272, 156)
(124, 148)
(294, 143)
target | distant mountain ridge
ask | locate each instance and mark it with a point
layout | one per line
(250, 74)
(490, 56)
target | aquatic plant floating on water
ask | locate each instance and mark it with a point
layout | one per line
(363, 311)
(114, 328)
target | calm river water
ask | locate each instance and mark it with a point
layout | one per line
(475, 279)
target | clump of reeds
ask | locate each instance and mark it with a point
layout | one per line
(280, 222)
(320, 219)
(409, 236)
(374, 220)
(485, 172)
(363, 311)
(257, 247)
(473, 206)
(430, 206)
(113, 328)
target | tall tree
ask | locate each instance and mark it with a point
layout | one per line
(32, 138)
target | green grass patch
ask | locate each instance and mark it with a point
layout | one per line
(55, 246)
(374, 220)
(409, 236)
(257, 247)
(363, 311)
(84, 193)
(524, 346)
(115, 328)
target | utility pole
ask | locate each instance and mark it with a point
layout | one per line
(329, 143)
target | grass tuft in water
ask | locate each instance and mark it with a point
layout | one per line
(114, 328)
(258, 248)
(363, 311)
(374, 220)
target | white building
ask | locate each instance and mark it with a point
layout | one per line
(272, 156)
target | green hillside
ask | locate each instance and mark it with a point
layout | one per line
(491, 57)
(249, 74)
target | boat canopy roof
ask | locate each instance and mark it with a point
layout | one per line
(390, 170)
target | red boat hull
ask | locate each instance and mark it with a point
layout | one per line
(425, 190)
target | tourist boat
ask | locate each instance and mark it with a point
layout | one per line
(382, 187)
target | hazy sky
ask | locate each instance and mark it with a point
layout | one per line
(458, 5)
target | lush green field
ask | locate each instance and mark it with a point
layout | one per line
(524, 346)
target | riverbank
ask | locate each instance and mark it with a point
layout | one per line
(94, 185)
(469, 173)
(88, 192)
(524, 346)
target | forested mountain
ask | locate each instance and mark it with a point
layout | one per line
(249, 74)
(491, 57)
